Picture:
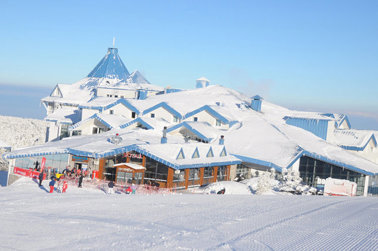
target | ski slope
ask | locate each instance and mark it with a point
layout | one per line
(32, 219)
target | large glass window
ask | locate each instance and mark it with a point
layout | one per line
(194, 177)
(222, 173)
(155, 171)
(179, 179)
(312, 171)
(208, 176)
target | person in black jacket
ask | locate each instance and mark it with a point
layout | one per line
(110, 187)
(40, 176)
(81, 180)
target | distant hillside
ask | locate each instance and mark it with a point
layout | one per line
(20, 132)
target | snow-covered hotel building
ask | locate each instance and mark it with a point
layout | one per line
(125, 128)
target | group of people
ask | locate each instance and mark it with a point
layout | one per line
(128, 190)
(64, 185)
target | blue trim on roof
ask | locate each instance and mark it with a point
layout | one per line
(357, 148)
(118, 101)
(336, 163)
(210, 110)
(194, 131)
(124, 102)
(94, 116)
(258, 162)
(318, 127)
(164, 105)
(345, 118)
(137, 120)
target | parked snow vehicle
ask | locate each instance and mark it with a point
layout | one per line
(338, 187)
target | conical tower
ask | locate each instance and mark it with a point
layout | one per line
(111, 66)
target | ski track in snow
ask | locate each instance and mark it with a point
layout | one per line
(84, 219)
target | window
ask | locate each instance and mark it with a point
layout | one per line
(133, 115)
(64, 133)
(116, 96)
(175, 119)
(122, 96)
(195, 119)
(111, 112)
(195, 154)
(210, 153)
(152, 115)
(181, 155)
(94, 130)
(223, 153)
(108, 95)
(76, 132)
(218, 123)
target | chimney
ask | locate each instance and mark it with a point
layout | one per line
(164, 138)
(221, 140)
(256, 103)
(202, 82)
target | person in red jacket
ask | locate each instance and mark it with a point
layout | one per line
(64, 188)
(52, 184)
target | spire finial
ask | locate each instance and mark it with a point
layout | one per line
(113, 42)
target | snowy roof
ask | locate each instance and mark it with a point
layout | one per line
(132, 165)
(99, 146)
(138, 78)
(355, 139)
(110, 66)
(203, 79)
(202, 130)
(109, 120)
(67, 115)
(193, 155)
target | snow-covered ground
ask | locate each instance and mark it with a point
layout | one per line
(32, 219)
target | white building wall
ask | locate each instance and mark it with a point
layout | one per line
(103, 92)
(53, 131)
(86, 113)
(330, 131)
(295, 165)
(161, 113)
(204, 116)
(87, 127)
(120, 109)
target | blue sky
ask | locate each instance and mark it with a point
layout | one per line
(312, 55)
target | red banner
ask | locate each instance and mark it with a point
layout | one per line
(27, 172)
(43, 163)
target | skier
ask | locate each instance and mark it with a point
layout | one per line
(81, 180)
(52, 184)
(110, 187)
(40, 176)
(64, 188)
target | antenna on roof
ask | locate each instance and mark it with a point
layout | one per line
(113, 42)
